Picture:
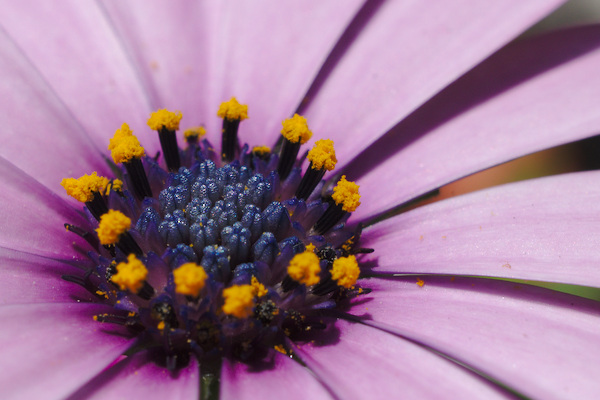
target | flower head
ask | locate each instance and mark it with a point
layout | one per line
(404, 121)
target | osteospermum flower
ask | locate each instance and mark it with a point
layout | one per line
(391, 84)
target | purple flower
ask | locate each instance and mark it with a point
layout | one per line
(414, 96)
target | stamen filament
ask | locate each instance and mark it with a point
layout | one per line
(138, 178)
(232, 113)
(168, 143)
(295, 133)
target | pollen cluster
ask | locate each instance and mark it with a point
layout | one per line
(210, 254)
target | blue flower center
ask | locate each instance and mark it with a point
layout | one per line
(227, 261)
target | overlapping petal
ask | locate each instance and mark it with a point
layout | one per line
(33, 218)
(280, 378)
(49, 350)
(543, 229)
(75, 50)
(540, 343)
(138, 377)
(265, 53)
(530, 96)
(406, 53)
(37, 125)
(402, 368)
(27, 278)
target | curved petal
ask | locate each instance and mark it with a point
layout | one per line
(82, 61)
(57, 346)
(36, 125)
(543, 229)
(406, 53)
(265, 53)
(367, 363)
(32, 218)
(532, 95)
(285, 378)
(137, 377)
(26, 278)
(540, 343)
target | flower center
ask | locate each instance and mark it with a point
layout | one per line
(235, 256)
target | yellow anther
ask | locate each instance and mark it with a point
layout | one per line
(131, 274)
(322, 156)
(233, 110)
(310, 247)
(304, 268)
(123, 132)
(112, 225)
(261, 150)
(116, 186)
(83, 188)
(239, 300)
(346, 193)
(296, 130)
(259, 288)
(164, 119)
(189, 279)
(345, 271)
(161, 325)
(194, 133)
(124, 146)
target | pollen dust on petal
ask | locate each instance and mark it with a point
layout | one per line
(506, 265)
(420, 282)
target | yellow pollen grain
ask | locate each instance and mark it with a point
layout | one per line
(322, 155)
(116, 186)
(261, 150)
(304, 268)
(124, 146)
(420, 282)
(164, 119)
(233, 110)
(310, 247)
(161, 325)
(346, 193)
(296, 130)
(83, 188)
(131, 274)
(189, 279)
(345, 271)
(239, 300)
(259, 288)
(112, 225)
(194, 133)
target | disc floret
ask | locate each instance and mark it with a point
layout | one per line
(223, 261)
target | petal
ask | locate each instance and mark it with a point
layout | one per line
(33, 218)
(273, 52)
(406, 53)
(137, 377)
(532, 95)
(168, 44)
(544, 229)
(542, 344)
(284, 378)
(83, 61)
(26, 278)
(265, 53)
(57, 346)
(367, 363)
(39, 135)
